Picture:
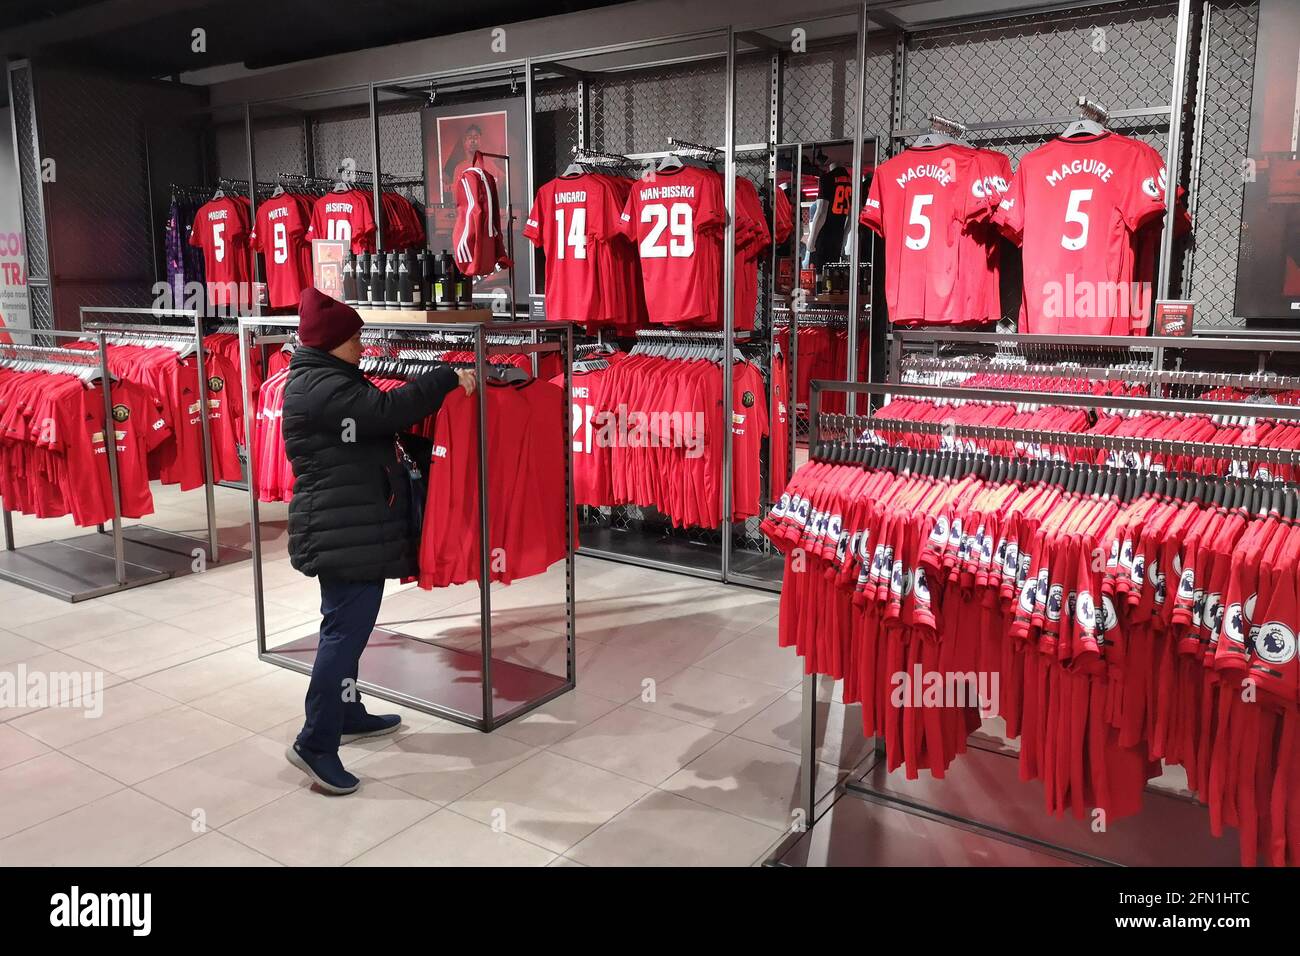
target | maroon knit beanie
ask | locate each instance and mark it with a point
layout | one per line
(325, 323)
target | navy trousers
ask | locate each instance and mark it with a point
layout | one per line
(349, 610)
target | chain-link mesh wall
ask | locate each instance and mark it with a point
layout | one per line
(636, 112)
(1216, 193)
(341, 135)
(1035, 67)
(106, 246)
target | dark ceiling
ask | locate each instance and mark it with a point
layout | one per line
(154, 37)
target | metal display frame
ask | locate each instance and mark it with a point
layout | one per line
(257, 331)
(854, 783)
(171, 551)
(78, 568)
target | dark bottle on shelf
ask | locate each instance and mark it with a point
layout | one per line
(405, 289)
(376, 280)
(391, 282)
(362, 281)
(350, 279)
(421, 280)
(446, 281)
(464, 289)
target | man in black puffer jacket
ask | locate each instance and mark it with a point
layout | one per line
(350, 521)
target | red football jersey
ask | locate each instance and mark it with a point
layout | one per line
(347, 216)
(922, 202)
(675, 220)
(221, 231)
(280, 234)
(1074, 205)
(568, 217)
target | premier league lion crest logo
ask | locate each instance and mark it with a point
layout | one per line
(1276, 643)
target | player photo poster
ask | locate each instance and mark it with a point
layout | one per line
(327, 257)
(453, 133)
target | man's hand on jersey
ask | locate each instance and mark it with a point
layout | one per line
(468, 381)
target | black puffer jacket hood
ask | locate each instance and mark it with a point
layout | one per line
(350, 514)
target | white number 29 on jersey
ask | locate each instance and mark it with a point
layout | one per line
(678, 220)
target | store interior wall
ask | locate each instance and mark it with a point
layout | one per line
(115, 144)
(14, 311)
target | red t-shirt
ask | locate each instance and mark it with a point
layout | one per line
(280, 235)
(675, 221)
(569, 217)
(221, 231)
(344, 216)
(922, 202)
(1074, 205)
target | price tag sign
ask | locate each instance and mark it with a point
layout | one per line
(1174, 316)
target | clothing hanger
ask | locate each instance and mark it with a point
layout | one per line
(1091, 117)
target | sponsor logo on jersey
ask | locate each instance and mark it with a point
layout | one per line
(1027, 594)
(1054, 598)
(439, 451)
(988, 186)
(121, 413)
(1187, 584)
(1234, 624)
(1275, 643)
(939, 533)
(1085, 612)
(1109, 619)
(1154, 186)
(922, 586)
(1212, 614)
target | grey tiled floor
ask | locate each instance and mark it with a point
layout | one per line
(678, 747)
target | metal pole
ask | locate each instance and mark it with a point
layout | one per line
(774, 133)
(529, 180)
(9, 529)
(376, 192)
(808, 710)
(1174, 149)
(205, 429)
(110, 446)
(729, 306)
(570, 571)
(485, 527)
(252, 198)
(1198, 136)
(855, 253)
(794, 301)
(254, 516)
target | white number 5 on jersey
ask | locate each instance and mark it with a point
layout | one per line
(1075, 214)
